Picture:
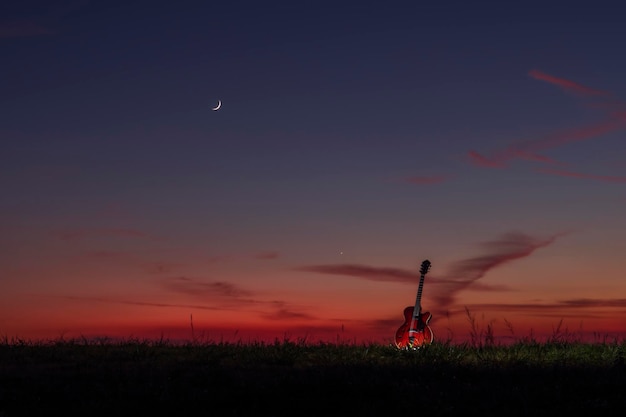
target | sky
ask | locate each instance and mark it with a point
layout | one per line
(354, 141)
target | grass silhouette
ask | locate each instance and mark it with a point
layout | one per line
(158, 377)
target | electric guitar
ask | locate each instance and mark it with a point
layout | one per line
(415, 332)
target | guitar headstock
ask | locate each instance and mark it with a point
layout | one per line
(425, 267)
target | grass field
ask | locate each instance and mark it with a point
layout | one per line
(134, 377)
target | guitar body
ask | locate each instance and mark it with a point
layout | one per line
(415, 332)
(418, 336)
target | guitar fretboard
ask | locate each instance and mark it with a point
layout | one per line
(418, 298)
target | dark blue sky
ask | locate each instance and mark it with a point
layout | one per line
(357, 77)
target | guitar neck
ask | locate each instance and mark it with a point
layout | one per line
(418, 299)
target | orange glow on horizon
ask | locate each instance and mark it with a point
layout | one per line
(457, 328)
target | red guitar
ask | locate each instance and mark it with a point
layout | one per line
(415, 332)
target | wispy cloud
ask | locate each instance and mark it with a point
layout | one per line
(560, 307)
(267, 255)
(78, 234)
(203, 289)
(615, 120)
(576, 134)
(139, 303)
(229, 296)
(391, 275)
(533, 156)
(530, 149)
(216, 296)
(482, 161)
(567, 85)
(364, 272)
(595, 302)
(284, 312)
(462, 275)
(571, 174)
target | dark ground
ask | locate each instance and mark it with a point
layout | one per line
(125, 382)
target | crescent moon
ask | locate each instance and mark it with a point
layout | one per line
(219, 104)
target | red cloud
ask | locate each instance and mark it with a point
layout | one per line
(573, 135)
(531, 156)
(530, 149)
(567, 85)
(607, 178)
(482, 161)
(616, 120)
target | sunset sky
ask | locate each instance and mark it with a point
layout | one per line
(354, 141)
